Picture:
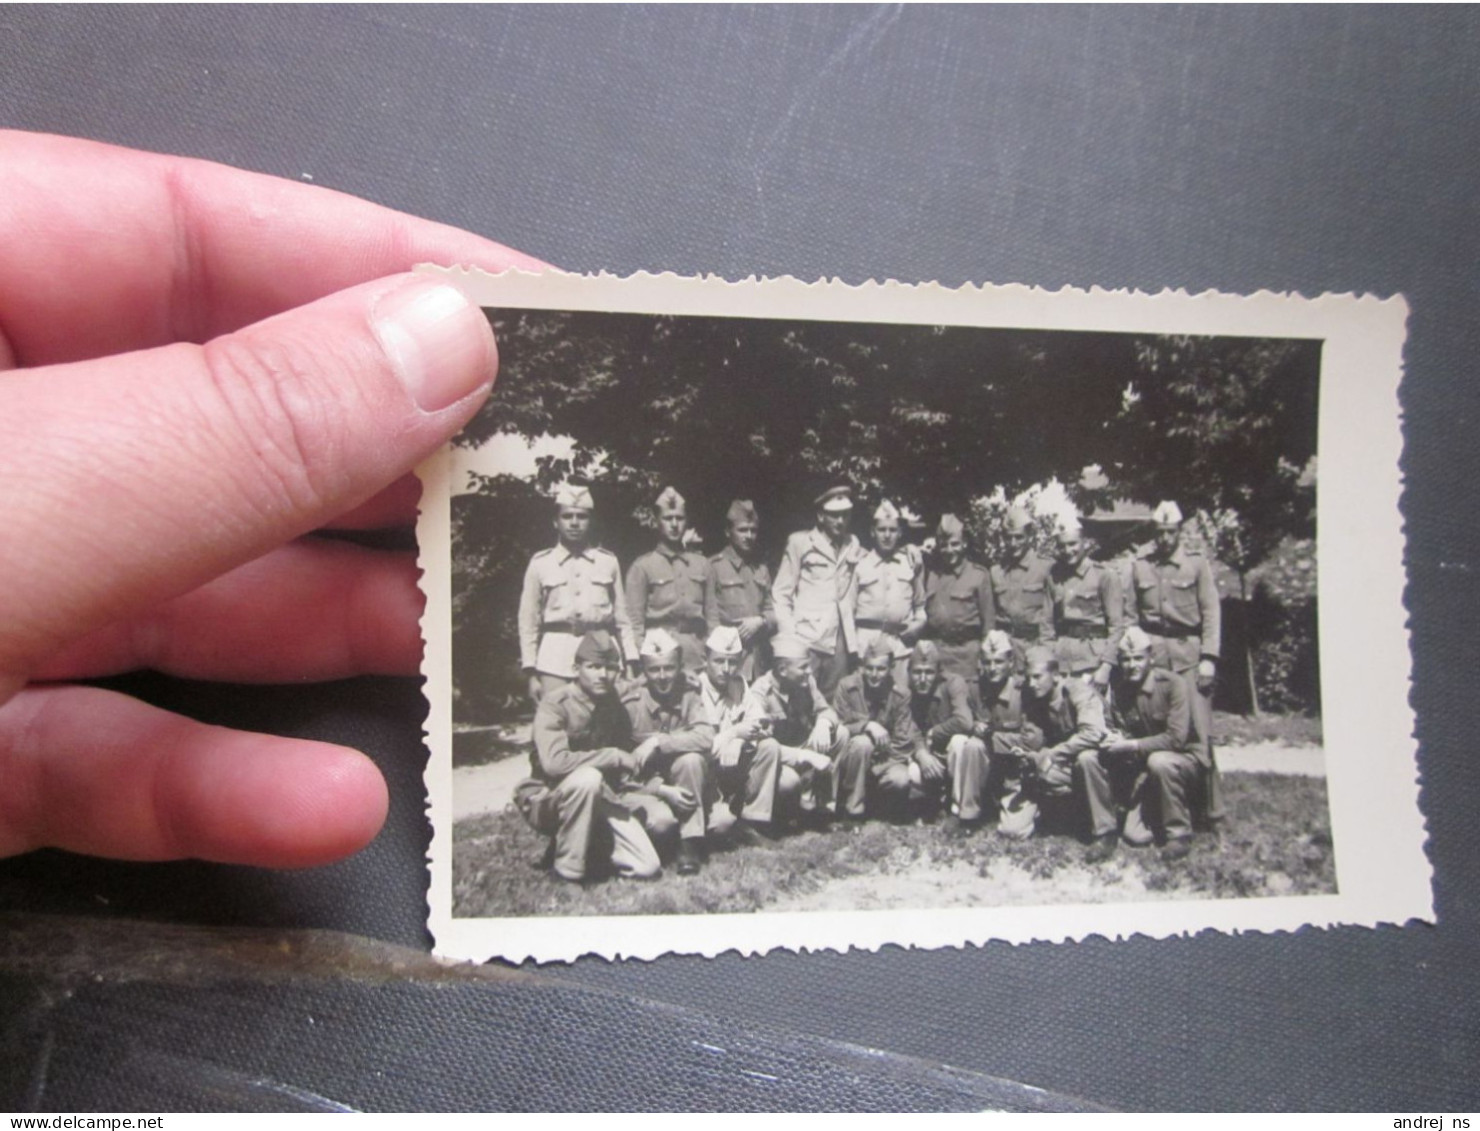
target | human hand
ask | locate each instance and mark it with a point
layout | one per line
(1207, 673)
(877, 733)
(749, 627)
(932, 769)
(204, 366)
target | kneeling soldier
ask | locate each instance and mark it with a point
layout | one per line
(1144, 762)
(747, 769)
(583, 763)
(986, 769)
(877, 764)
(940, 707)
(673, 741)
(799, 729)
(1072, 719)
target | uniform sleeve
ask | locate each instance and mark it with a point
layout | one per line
(1179, 721)
(986, 604)
(552, 744)
(904, 736)
(636, 603)
(1089, 721)
(820, 706)
(915, 623)
(959, 720)
(1047, 632)
(529, 616)
(784, 591)
(712, 617)
(1212, 611)
(625, 629)
(1112, 598)
(768, 603)
(848, 599)
(851, 709)
(697, 735)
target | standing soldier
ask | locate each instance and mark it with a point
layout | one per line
(989, 772)
(1089, 609)
(816, 588)
(582, 764)
(747, 770)
(673, 740)
(737, 592)
(891, 591)
(570, 589)
(800, 730)
(665, 587)
(1144, 763)
(958, 601)
(877, 765)
(1072, 719)
(1021, 587)
(1177, 605)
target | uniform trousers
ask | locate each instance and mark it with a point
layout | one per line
(588, 822)
(808, 772)
(1153, 789)
(970, 768)
(828, 668)
(960, 659)
(882, 780)
(751, 780)
(1182, 655)
(690, 772)
(1022, 795)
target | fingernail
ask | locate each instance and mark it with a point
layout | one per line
(439, 343)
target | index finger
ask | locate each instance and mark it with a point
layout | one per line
(108, 250)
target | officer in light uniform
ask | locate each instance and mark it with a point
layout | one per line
(958, 601)
(817, 586)
(569, 589)
(582, 766)
(1022, 588)
(673, 743)
(1145, 764)
(799, 723)
(1177, 606)
(665, 587)
(747, 770)
(737, 592)
(1089, 609)
(891, 591)
(876, 769)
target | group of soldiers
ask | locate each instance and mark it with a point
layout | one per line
(702, 697)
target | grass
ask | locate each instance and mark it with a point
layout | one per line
(1275, 841)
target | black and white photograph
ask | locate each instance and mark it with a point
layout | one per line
(754, 614)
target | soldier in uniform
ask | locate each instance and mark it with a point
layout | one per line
(986, 769)
(737, 592)
(958, 601)
(1089, 609)
(816, 588)
(800, 730)
(569, 589)
(665, 587)
(747, 770)
(1177, 606)
(1144, 764)
(673, 741)
(582, 765)
(940, 706)
(877, 768)
(1022, 588)
(1071, 718)
(891, 591)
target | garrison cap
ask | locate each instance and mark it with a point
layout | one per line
(1134, 640)
(658, 642)
(881, 646)
(572, 495)
(1167, 513)
(949, 527)
(598, 645)
(886, 512)
(670, 502)
(1039, 654)
(834, 499)
(741, 510)
(1018, 519)
(724, 641)
(997, 643)
(924, 652)
(789, 648)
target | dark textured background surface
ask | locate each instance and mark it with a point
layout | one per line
(1315, 149)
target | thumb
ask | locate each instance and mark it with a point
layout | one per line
(130, 480)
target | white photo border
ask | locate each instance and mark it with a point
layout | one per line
(1383, 873)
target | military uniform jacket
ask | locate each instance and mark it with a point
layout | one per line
(1153, 713)
(680, 718)
(815, 590)
(1072, 718)
(1089, 605)
(959, 605)
(735, 589)
(666, 590)
(1023, 592)
(891, 591)
(1176, 598)
(572, 730)
(856, 708)
(567, 593)
(724, 708)
(1000, 707)
(792, 715)
(944, 713)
